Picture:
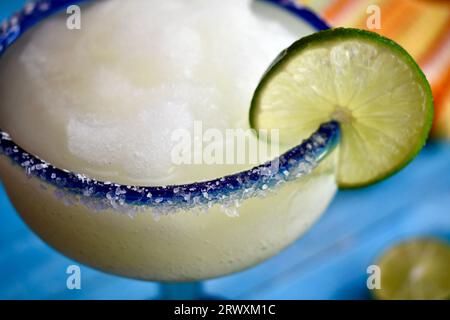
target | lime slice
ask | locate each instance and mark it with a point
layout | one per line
(417, 269)
(368, 83)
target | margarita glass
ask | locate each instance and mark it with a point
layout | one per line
(177, 232)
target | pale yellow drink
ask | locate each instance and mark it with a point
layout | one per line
(104, 100)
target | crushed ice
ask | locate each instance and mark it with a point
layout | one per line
(227, 193)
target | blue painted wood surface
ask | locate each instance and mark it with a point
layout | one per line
(329, 262)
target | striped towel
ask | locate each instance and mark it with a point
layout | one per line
(422, 27)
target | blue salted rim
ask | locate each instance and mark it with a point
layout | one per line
(296, 162)
(302, 12)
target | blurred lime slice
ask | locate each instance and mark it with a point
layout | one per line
(366, 82)
(416, 269)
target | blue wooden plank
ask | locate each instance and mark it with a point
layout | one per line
(328, 262)
(7, 7)
(341, 272)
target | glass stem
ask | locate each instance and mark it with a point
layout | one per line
(181, 291)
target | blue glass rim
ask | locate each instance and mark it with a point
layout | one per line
(296, 162)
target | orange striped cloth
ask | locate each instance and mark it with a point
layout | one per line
(422, 27)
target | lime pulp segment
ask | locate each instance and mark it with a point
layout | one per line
(368, 83)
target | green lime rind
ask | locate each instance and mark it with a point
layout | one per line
(415, 269)
(341, 34)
